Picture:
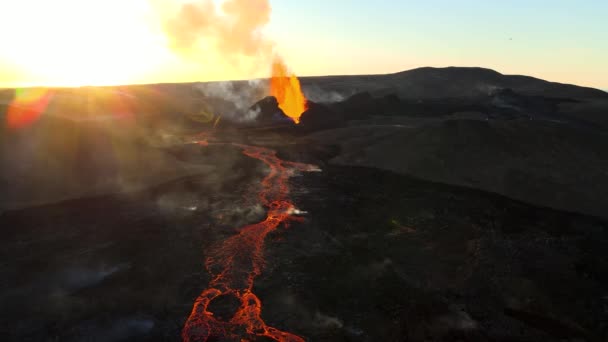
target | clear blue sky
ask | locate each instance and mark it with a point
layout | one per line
(559, 40)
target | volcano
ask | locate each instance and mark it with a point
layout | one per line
(450, 204)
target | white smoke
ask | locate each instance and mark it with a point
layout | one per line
(317, 94)
(324, 321)
(242, 95)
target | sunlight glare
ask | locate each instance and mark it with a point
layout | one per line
(74, 42)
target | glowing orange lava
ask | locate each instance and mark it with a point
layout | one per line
(236, 262)
(285, 86)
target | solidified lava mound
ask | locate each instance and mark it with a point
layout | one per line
(316, 117)
(320, 116)
(269, 112)
(453, 205)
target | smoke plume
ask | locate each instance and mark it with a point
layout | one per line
(238, 95)
(232, 29)
(317, 94)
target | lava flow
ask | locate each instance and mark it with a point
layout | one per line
(236, 262)
(285, 87)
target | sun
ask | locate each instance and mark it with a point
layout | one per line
(75, 42)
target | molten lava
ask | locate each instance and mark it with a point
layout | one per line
(237, 261)
(285, 86)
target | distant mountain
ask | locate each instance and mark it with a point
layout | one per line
(451, 82)
(522, 137)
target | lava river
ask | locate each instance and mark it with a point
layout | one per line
(235, 262)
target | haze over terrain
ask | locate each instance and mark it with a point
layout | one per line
(445, 169)
(499, 131)
(390, 198)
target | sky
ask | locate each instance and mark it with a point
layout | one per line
(74, 42)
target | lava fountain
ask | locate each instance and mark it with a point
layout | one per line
(285, 86)
(235, 262)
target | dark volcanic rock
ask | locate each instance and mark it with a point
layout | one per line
(364, 105)
(452, 82)
(547, 163)
(319, 117)
(400, 261)
(506, 103)
(379, 257)
(269, 112)
(358, 106)
(389, 104)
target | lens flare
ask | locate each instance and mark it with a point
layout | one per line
(27, 106)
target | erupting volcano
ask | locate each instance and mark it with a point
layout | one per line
(285, 86)
(237, 261)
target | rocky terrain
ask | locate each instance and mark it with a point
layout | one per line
(454, 204)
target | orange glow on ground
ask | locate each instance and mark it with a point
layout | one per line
(285, 86)
(236, 262)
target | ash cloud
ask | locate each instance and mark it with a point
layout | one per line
(230, 33)
(233, 28)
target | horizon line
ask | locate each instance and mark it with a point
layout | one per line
(67, 86)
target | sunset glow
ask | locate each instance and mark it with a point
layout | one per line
(72, 43)
(75, 42)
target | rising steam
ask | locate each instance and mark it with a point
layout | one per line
(233, 30)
